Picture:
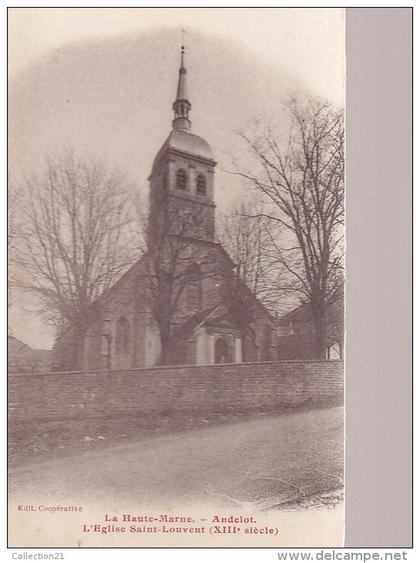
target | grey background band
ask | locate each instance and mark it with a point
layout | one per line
(379, 282)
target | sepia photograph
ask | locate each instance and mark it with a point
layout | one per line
(176, 277)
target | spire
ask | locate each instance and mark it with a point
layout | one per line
(181, 105)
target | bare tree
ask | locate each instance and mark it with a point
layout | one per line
(13, 204)
(250, 285)
(75, 239)
(304, 183)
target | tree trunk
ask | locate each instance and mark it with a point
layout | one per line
(243, 345)
(166, 345)
(78, 355)
(320, 331)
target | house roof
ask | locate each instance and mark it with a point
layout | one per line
(16, 346)
(23, 356)
(302, 313)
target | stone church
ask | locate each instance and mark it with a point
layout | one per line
(170, 306)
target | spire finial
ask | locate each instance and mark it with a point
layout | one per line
(181, 105)
(182, 56)
(183, 39)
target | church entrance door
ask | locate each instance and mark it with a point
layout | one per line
(223, 351)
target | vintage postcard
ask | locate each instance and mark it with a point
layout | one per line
(176, 277)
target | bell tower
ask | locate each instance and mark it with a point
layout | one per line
(182, 177)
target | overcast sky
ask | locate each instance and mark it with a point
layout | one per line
(308, 40)
(103, 80)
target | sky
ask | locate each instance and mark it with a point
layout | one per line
(103, 81)
(308, 40)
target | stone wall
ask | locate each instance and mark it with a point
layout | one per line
(189, 389)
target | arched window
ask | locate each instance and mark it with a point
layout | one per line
(122, 336)
(181, 179)
(201, 185)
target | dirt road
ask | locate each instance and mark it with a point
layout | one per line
(264, 461)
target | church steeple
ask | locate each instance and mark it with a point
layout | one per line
(182, 177)
(181, 105)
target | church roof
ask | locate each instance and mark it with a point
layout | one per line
(193, 322)
(183, 140)
(216, 316)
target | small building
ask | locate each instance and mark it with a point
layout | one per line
(21, 358)
(296, 338)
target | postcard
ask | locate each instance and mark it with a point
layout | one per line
(176, 277)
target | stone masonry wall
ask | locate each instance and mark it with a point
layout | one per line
(188, 389)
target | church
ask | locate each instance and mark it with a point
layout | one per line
(171, 306)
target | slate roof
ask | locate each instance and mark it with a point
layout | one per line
(22, 357)
(302, 313)
(207, 317)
